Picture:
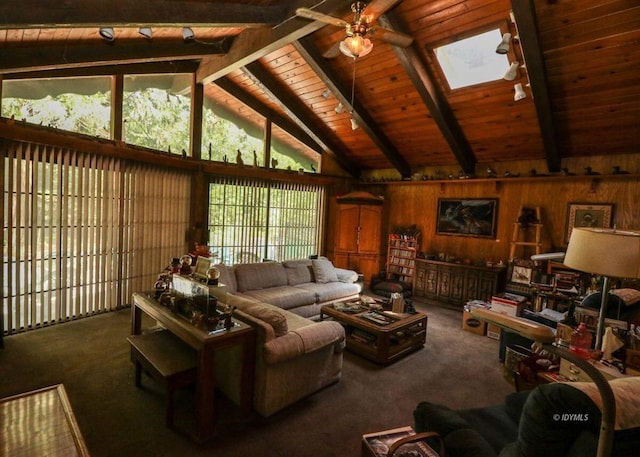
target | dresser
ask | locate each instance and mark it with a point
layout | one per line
(453, 284)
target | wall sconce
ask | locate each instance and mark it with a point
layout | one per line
(107, 33)
(339, 109)
(512, 72)
(145, 32)
(520, 93)
(503, 47)
(187, 34)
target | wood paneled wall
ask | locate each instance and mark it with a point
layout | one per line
(416, 203)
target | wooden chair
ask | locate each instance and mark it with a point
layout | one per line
(166, 359)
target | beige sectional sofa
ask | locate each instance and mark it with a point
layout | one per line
(295, 356)
(299, 286)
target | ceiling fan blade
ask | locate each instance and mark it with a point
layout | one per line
(390, 36)
(316, 16)
(333, 51)
(376, 8)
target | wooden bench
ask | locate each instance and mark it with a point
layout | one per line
(165, 358)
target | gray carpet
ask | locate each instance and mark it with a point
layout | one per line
(91, 358)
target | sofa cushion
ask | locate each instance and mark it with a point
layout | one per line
(331, 291)
(323, 271)
(271, 316)
(346, 275)
(285, 297)
(297, 263)
(299, 275)
(253, 276)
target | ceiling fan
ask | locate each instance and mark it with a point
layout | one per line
(356, 43)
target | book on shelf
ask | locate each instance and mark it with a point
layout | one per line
(378, 443)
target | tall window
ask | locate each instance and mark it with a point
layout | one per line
(82, 232)
(81, 105)
(254, 220)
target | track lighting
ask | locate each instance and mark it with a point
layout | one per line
(187, 34)
(503, 47)
(326, 94)
(107, 33)
(520, 93)
(354, 124)
(339, 109)
(145, 32)
(512, 72)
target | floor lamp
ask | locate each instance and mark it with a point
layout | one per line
(608, 252)
(545, 336)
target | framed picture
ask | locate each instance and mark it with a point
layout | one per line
(597, 215)
(475, 217)
(521, 274)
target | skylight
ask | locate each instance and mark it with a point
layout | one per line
(472, 60)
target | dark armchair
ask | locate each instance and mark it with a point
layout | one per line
(553, 420)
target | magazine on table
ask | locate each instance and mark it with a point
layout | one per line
(379, 443)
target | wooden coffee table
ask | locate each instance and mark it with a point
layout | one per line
(380, 336)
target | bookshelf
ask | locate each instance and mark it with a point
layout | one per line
(401, 257)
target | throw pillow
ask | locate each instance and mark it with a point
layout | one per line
(630, 296)
(324, 271)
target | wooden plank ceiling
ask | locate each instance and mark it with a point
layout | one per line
(262, 61)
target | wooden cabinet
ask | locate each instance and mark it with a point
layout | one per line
(358, 228)
(453, 285)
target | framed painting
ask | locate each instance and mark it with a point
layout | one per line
(596, 215)
(476, 217)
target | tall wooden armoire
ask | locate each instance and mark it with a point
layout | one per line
(357, 236)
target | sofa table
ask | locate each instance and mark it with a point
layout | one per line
(380, 336)
(206, 345)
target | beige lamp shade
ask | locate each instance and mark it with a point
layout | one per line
(608, 252)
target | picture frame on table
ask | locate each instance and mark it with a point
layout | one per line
(473, 217)
(596, 215)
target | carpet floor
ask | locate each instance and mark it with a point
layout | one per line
(91, 358)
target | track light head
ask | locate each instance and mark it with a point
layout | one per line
(187, 34)
(145, 32)
(107, 33)
(519, 92)
(503, 47)
(512, 72)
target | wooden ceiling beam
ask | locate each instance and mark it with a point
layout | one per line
(38, 58)
(366, 122)
(432, 97)
(253, 44)
(176, 66)
(299, 113)
(524, 12)
(135, 13)
(281, 121)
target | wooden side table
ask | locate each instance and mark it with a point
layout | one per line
(40, 422)
(206, 345)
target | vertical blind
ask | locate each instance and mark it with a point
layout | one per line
(82, 232)
(253, 220)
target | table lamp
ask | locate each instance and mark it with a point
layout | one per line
(545, 336)
(607, 252)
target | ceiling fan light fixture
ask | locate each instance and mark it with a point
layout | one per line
(519, 92)
(504, 45)
(107, 33)
(356, 46)
(187, 34)
(145, 32)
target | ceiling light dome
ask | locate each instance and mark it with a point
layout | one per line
(356, 46)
